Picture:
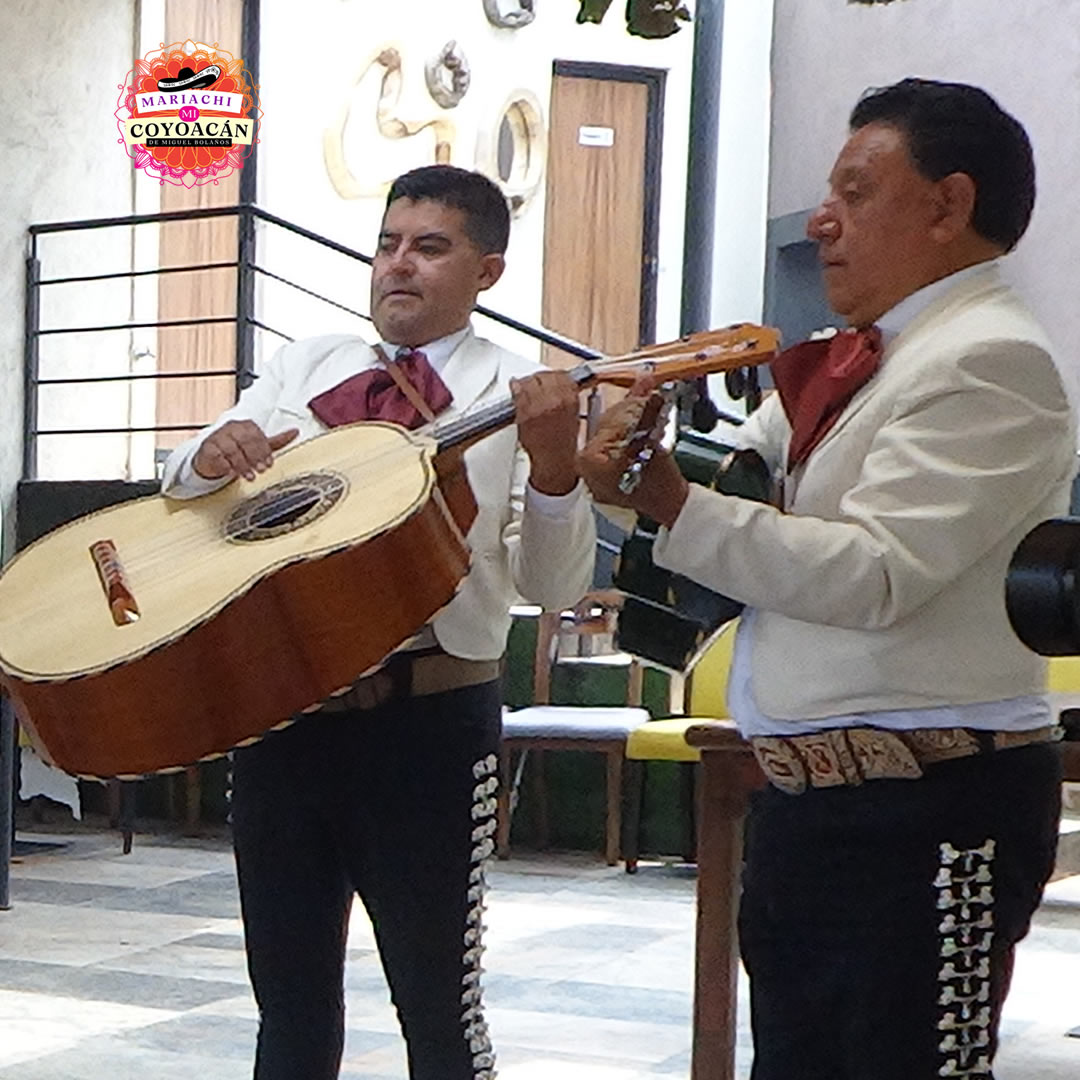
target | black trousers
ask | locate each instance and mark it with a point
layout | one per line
(395, 804)
(878, 922)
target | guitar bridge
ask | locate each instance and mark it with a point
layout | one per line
(114, 582)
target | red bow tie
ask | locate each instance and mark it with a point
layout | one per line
(374, 395)
(817, 379)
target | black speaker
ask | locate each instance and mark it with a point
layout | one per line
(44, 505)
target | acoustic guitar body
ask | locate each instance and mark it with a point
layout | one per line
(209, 621)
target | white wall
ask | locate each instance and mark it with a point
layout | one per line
(743, 163)
(308, 70)
(59, 159)
(742, 173)
(826, 52)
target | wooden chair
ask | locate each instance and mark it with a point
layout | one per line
(532, 731)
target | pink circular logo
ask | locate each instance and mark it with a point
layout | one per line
(189, 113)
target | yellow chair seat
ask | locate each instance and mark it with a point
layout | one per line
(662, 740)
(1063, 675)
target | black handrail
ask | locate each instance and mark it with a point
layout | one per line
(575, 348)
(244, 317)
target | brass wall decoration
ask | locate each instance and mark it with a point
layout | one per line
(448, 75)
(510, 14)
(387, 123)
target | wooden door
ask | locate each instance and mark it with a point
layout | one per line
(201, 294)
(596, 230)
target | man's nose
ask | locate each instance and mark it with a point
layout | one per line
(822, 224)
(399, 261)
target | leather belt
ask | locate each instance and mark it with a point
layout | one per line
(412, 676)
(852, 755)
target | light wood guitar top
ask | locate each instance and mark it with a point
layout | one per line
(183, 560)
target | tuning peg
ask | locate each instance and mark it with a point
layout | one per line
(735, 383)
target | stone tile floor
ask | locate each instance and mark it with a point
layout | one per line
(114, 967)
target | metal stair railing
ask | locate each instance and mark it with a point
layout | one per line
(245, 317)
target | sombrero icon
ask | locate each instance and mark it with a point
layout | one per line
(186, 79)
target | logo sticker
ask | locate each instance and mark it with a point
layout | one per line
(188, 114)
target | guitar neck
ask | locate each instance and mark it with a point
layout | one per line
(463, 432)
(696, 354)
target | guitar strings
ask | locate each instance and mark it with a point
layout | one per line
(372, 467)
(365, 477)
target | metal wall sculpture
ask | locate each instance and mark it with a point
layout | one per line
(644, 18)
(448, 75)
(510, 14)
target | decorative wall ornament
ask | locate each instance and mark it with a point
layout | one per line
(510, 14)
(513, 151)
(655, 18)
(387, 123)
(448, 75)
(644, 18)
(593, 10)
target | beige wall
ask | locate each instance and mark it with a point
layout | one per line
(62, 63)
(310, 72)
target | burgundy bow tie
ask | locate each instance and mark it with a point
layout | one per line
(817, 379)
(375, 395)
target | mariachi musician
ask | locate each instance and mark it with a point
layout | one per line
(898, 853)
(389, 790)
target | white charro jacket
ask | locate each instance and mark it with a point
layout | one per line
(517, 552)
(882, 586)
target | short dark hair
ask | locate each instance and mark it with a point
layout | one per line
(487, 216)
(953, 127)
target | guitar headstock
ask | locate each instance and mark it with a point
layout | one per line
(702, 353)
(643, 439)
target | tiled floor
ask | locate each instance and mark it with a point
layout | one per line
(118, 967)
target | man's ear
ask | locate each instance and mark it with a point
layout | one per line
(954, 200)
(492, 266)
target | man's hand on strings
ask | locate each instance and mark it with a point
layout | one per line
(662, 489)
(547, 413)
(239, 448)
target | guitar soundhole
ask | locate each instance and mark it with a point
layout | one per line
(285, 507)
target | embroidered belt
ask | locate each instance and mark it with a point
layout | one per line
(408, 676)
(851, 755)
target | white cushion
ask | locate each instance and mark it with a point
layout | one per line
(572, 721)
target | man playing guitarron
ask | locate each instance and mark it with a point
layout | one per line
(389, 790)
